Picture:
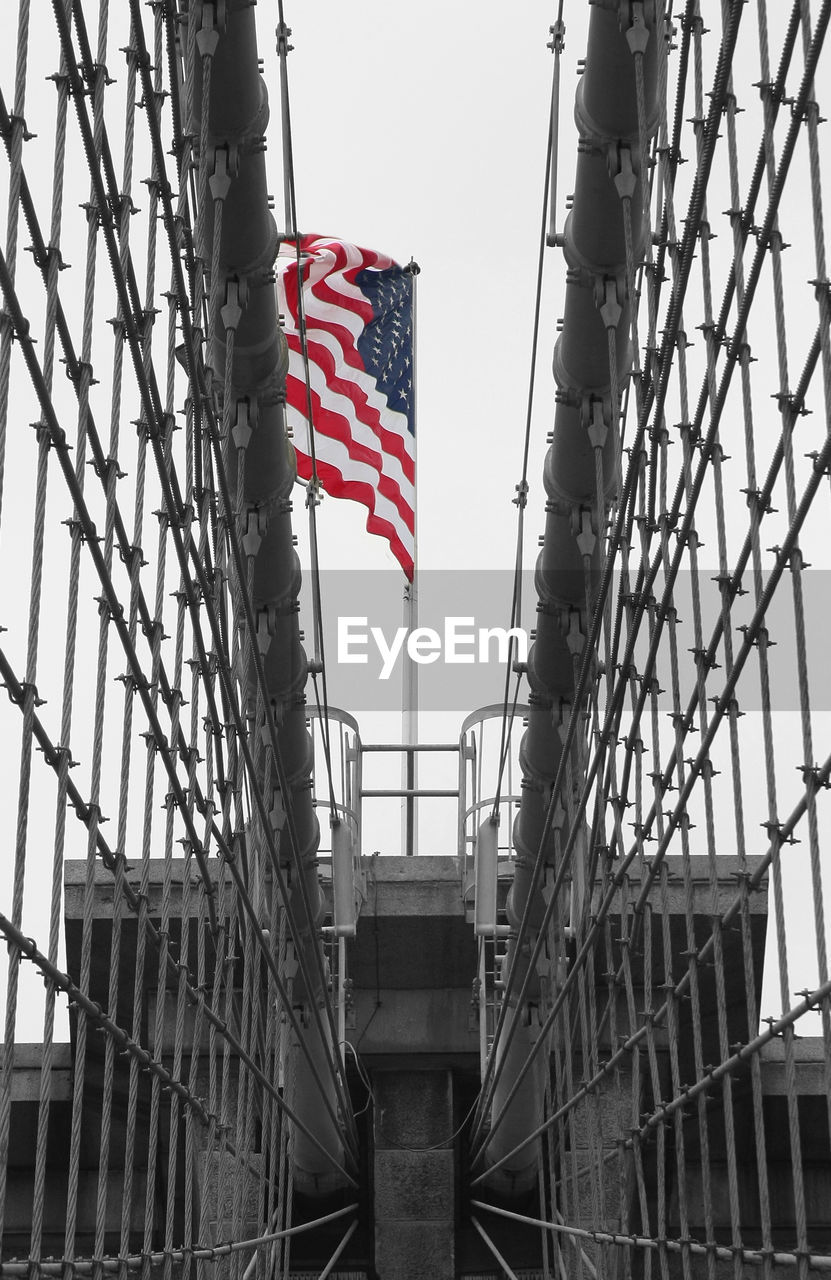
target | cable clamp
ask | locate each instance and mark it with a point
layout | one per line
(596, 414)
(731, 705)
(282, 33)
(759, 501)
(91, 72)
(761, 640)
(107, 609)
(558, 37)
(120, 203)
(27, 691)
(820, 467)
(106, 468)
(45, 256)
(822, 288)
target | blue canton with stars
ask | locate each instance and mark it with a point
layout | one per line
(386, 344)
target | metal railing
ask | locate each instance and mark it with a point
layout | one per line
(481, 742)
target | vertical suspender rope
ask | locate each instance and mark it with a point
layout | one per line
(290, 197)
(557, 44)
(549, 184)
(313, 489)
(655, 396)
(196, 375)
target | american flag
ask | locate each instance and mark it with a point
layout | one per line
(358, 308)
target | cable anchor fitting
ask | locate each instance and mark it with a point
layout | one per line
(225, 167)
(584, 536)
(637, 32)
(236, 298)
(621, 171)
(254, 530)
(213, 19)
(608, 296)
(247, 418)
(595, 415)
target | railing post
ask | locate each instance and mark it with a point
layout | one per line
(410, 832)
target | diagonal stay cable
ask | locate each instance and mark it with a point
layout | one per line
(521, 500)
(127, 550)
(112, 860)
(154, 415)
(314, 485)
(146, 1059)
(197, 378)
(810, 1001)
(615, 706)
(763, 242)
(721, 708)
(652, 395)
(157, 1258)
(331, 1048)
(724, 699)
(732, 1253)
(59, 443)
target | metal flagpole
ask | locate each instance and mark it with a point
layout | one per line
(409, 769)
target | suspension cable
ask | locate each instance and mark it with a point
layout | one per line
(314, 486)
(169, 483)
(196, 373)
(546, 237)
(654, 395)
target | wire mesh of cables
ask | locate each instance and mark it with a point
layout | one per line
(673, 971)
(151, 798)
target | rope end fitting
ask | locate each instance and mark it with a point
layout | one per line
(608, 298)
(236, 298)
(621, 171)
(636, 31)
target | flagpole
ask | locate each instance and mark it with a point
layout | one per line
(409, 759)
